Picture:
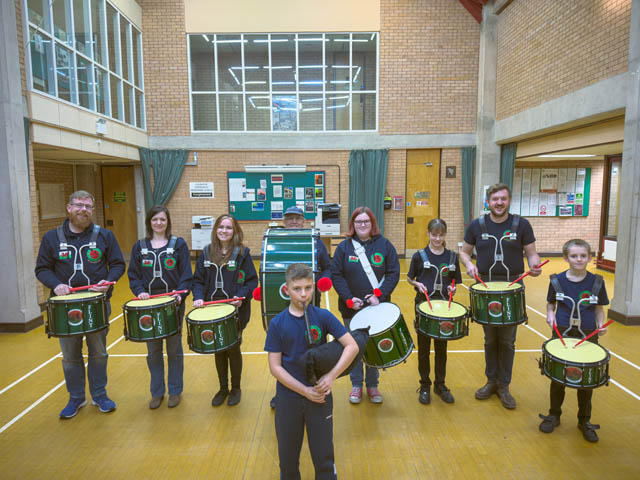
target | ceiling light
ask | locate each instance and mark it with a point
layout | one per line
(566, 156)
(275, 168)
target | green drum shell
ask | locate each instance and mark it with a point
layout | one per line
(225, 333)
(280, 248)
(514, 307)
(430, 325)
(164, 316)
(594, 374)
(94, 316)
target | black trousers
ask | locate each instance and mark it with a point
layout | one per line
(557, 390)
(292, 415)
(230, 359)
(424, 366)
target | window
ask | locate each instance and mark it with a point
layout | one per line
(283, 82)
(87, 53)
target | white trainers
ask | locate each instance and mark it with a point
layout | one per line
(356, 395)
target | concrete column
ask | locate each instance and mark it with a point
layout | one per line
(625, 307)
(141, 213)
(20, 310)
(487, 151)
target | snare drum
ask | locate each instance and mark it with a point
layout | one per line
(498, 304)
(389, 340)
(586, 366)
(280, 248)
(150, 319)
(213, 329)
(76, 314)
(442, 322)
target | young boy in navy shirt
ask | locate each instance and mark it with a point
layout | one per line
(576, 283)
(298, 402)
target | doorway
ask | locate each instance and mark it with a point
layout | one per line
(118, 190)
(609, 218)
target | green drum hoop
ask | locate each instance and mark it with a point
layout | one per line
(498, 304)
(151, 319)
(280, 248)
(442, 322)
(586, 366)
(213, 329)
(390, 342)
(76, 314)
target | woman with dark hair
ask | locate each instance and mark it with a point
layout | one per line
(364, 249)
(225, 270)
(160, 263)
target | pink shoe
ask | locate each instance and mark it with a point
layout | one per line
(374, 395)
(356, 395)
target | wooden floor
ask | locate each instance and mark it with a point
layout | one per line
(398, 439)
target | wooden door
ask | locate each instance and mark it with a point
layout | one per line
(423, 196)
(120, 206)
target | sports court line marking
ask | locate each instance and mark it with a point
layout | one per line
(59, 355)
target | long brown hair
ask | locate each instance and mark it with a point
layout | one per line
(375, 230)
(215, 249)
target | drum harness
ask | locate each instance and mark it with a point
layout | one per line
(366, 266)
(499, 257)
(575, 307)
(426, 265)
(77, 252)
(231, 265)
(157, 272)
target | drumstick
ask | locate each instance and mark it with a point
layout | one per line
(86, 287)
(555, 327)
(162, 294)
(480, 280)
(224, 300)
(594, 332)
(527, 273)
(453, 284)
(426, 294)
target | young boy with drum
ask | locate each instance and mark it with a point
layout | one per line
(575, 318)
(299, 403)
(225, 270)
(433, 269)
(160, 263)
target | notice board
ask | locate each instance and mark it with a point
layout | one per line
(266, 196)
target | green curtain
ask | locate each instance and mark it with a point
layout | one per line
(507, 163)
(367, 181)
(167, 169)
(468, 173)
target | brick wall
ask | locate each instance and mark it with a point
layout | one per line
(451, 195)
(552, 232)
(428, 67)
(165, 67)
(394, 220)
(549, 48)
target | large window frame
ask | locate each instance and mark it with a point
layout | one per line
(280, 100)
(85, 57)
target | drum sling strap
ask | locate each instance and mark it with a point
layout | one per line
(499, 257)
(63, 240)
(157, 272)
(514, 223)
(231, 265)
(427, 264)
(366, 266)
(64, 246)
(595, 288)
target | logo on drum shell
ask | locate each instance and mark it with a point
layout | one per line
(316, 333)
(94, 255)
(573, 374)
(495, 309)
(75, 317)
(385, 345)
(446, 329)
(282, 293)
(207, 337)
(169, 263)
(444, 268)
(241, 276)
(377, 259)
(145, 322)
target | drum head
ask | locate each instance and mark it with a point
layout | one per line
(586, 352)
(495, 287)
(379, 317)
(150, 302)
(441, 309)
(211, 312)
(72, 297)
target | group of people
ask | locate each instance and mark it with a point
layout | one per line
(365, 270)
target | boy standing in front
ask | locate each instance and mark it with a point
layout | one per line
(298, 402)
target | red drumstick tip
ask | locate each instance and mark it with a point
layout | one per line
(377, 292)
(257, 294)
(349, 303)
(325, 284)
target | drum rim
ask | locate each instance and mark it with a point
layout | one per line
(233, 314)
(373, 306)
(61, 299)
(599, 363)
(437, 317)
(518, 289)
(126, 306)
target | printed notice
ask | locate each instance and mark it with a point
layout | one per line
(201, 189)
(237, 189)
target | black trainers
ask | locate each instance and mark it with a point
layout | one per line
(425, 394)
(218, 398)
(549, 422)
(589, 431)
(444, 393)
(234, 397)
(272, 403)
